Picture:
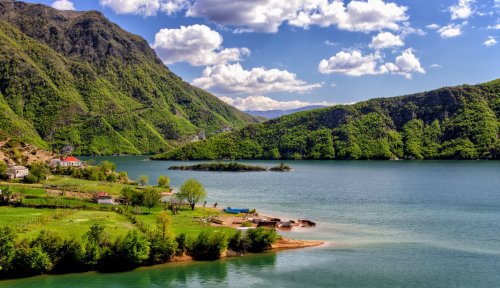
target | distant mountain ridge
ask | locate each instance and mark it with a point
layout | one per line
(75, 79)
(459, 122)
(271, 114)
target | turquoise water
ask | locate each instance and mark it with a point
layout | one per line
(387, 224)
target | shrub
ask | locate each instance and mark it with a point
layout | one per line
(162, 248)
(260, 239)
(208, 245)
(182, 243)
(30, 261)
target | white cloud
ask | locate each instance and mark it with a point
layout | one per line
(197, 44)
(449, 31)
(268, 15)
(462, 10)
(350, 63)
(436, 66)
(263, 103)
(494, 27)
(386, 40)
(490, 42)
(433, 26)
(330, 43)
(233, 79)
(356, 64)
(63, 5)
(406, 64)
(144, 7)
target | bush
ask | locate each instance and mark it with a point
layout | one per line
(238, 243)
(208, 245)
(260, 239)
(182, 243)
(30, 261)
(162, 248)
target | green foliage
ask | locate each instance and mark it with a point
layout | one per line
(260, 239)
(192, 191)
(38, 171)
(164, 181)
(134, 248)
(232, 167)
(143, 180)
(3, 168)
(449, 123)
(208, 245)
(163, 248)
(151, 197)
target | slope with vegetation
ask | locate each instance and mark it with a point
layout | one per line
(74, 79)
(450, 123)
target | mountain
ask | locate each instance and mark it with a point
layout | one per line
(271, 114)
(75, 80)
(450, 123)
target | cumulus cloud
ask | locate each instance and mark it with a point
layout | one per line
(63, 5)
(233, 79)
(356, 64)
(433, 26)
(352, 63)
(406, 64)
(386, 40)
(197, 44)
(494, 27)
(490, 42)
(263, 103)
(462, 10)
(450, 31)
(268, 15)
(144, 7)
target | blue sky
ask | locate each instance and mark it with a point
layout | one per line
(280, 54)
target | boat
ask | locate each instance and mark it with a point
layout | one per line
(236, 210)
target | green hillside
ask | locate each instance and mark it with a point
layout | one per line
(450, 123)
(74, 79)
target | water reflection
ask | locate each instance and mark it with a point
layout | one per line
(197, 274)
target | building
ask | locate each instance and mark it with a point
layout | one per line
(69, 161)
(16, 172)
(103, 198)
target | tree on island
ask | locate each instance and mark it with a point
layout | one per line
(143, 180)
(164, 181)
(193, 192)
(151, 197)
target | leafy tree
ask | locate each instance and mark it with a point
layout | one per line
(107, 167)
(163, 248)
(193, 192)
(163, 222)
(7, 241)
(143, 180)
(30, 261)
(38, 171)
(50, 242)
(164, 181)
(182, 243)
(127, 193)
(151, 197)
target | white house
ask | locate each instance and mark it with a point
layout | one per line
(16, 172)
(103, 198)
(69, 161)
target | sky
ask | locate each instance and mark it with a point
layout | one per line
(284, 54)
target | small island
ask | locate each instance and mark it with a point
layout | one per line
(230, 167)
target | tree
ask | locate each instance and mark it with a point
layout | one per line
(38, 172)
(134, 248)
(151, 197)
(143, 180)
(127, 193)
(193, 192)
(163, 221)
(164, 181)
(107, 166)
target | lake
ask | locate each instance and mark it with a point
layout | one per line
(386, 223)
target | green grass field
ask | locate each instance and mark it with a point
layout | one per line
(76, 224)
(186, 221)
(10, 216)
(86, 186)
(25, 190)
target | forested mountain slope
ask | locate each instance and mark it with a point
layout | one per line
(74, 79)
(449, 123)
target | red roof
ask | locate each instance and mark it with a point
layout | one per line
(71, 159)
(101, 194)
